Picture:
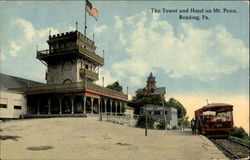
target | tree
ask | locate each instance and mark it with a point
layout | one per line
(183, 122)
(141, 99)
(142, 119)
(115, 86)
(181, 111)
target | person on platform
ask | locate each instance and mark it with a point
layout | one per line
(193, 126)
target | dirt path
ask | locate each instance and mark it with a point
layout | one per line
(90, 139)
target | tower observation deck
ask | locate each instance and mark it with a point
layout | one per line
(71, 57)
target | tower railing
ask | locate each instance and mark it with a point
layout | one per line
(90, 74)
(90, 55)
(71, 49)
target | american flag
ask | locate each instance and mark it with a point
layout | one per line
(92, 11)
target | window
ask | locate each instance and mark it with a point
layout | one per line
(17, 107)
(157, 113)
(67, 81)
(3, 105)
(3, 102)
(166, 112)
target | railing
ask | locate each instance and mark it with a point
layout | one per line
(72, 86)
(47, 52)
(91, 55)
(105, 90)
(90, 74)
(75, 48)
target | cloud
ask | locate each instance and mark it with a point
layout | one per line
(100, 29)
(45, 32)
(151, 43)
(108, 79)
(27, 27)
(2, 57)
(24, 36)
(14, 48)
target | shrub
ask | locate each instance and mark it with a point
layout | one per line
(238, 132)
(174, 127)
(162, 124)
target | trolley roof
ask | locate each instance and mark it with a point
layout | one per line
(217, 107)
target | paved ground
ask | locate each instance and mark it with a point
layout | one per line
(90, 139)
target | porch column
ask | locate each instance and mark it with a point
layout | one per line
(99, 106)
(121, 107)
(72, 104)
(115, 108)
(49, 106)
(92, 101)
(84, 104)
(60, 105)
(111, 103)
(105, 105)
(38, 107)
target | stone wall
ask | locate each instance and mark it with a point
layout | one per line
(126, 120)
(62, 72)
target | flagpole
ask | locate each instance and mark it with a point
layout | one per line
(85, 23)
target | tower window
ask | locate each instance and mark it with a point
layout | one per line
(67, 81)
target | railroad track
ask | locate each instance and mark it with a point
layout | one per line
(232, 149)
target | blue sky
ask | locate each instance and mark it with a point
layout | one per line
(186, 56)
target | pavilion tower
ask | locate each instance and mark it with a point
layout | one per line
(151, 83)
(70, 58)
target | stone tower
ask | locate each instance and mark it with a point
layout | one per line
(151, 83)
(70, 58)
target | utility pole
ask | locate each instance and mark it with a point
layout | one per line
(164, 110)
(182, 118)
(146, 120)
(102, 81)
(101, 101)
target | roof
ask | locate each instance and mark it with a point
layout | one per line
(217, 107)
(7, 81)
(217, 104)
(157, 106)
(160, 90)
(151, 77)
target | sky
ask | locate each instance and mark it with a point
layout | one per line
(194, 59)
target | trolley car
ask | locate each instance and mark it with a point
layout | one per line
(215, 120)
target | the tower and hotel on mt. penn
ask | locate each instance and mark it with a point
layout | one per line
(72, 69)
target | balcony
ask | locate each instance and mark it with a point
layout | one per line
(73, 87)
(91, 55)
(52, 52)
(89, 74)
(43, 54)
